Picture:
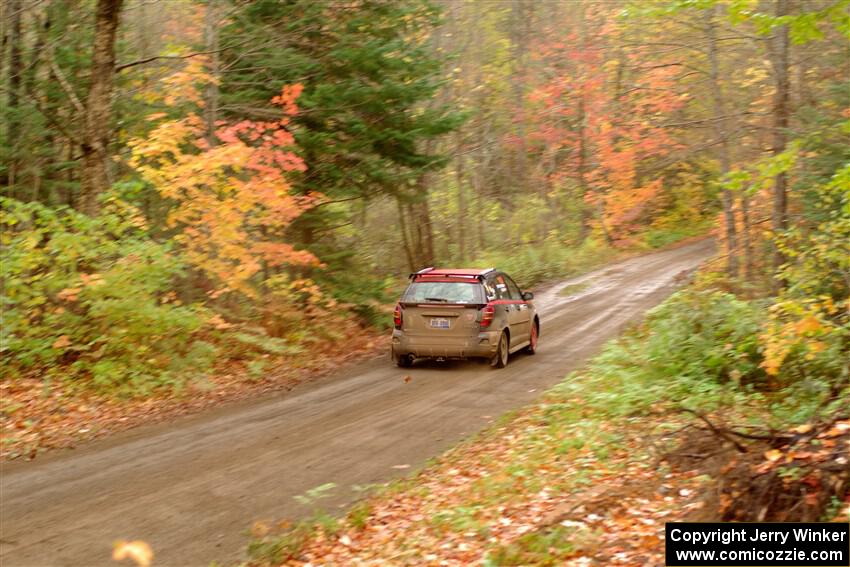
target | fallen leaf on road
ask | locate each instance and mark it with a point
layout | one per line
(259, 529)
(408, 378)
(139, 551)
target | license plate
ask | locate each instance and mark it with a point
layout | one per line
(439, 323)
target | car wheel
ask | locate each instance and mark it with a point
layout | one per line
(532, 340)
(404, 361)
(500, 359)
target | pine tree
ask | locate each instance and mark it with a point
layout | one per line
(367, 111)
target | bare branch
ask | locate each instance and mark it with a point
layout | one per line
(63, 82)
(123, 66)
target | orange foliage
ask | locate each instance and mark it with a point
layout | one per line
(607, 126)
(230, 191)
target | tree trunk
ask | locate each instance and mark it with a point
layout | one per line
(31, 79)
(521, 15)
(13, 129)
(211, 94)
(405, 235)
(779, 60)
(95, 169)
(424, 233)
(582, 166)
(583, 188)
(417, 237)
(722, 134)
(600, 211)
(747, 237)
(461, 201)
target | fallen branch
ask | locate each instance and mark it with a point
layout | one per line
(723, 433)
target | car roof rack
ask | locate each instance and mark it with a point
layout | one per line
(420, 272)
(454, 273)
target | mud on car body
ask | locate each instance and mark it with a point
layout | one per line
(463, 313)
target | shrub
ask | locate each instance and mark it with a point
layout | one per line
(706, 335)
(89, 301)
(705, 350)
(694, 350)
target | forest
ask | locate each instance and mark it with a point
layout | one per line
(201, 196)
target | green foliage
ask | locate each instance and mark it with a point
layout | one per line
(549, 546)
(364, 293)
(705, 334)
(807, 336)
(274, 550)
(692, 350)
(262, 343)
(364, 70)
(820, 257)
(359, 514)
(458, 519)
(91, 302)
(806, 26)
(312, 496)
(763, 173)
(661, 237)
(368, 112)
(705, 350)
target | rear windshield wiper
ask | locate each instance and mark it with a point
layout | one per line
(440, 299)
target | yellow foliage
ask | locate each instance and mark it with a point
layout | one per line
(232, 199)
(809, 324)
(792, 325)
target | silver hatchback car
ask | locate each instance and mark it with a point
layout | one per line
(463, 313)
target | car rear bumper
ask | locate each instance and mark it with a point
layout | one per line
(481, 345)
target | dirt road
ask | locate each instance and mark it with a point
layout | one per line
(192, 487)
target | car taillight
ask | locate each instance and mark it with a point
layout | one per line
(487, 314)
(397, 317)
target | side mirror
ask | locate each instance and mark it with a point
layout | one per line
(527, 295)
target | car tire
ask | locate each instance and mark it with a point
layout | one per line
(532, 339)
(404, 361)
(500, 359)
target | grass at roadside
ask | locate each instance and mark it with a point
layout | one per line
(589, 474)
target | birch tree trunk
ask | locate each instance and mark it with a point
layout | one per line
(95, 169)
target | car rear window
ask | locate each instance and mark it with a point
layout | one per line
(443, 292)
